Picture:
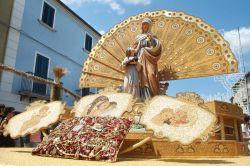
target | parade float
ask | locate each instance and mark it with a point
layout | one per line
(140, 58)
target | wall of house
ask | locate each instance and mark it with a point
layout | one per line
(63, 45)
(6, 81)
(5, 15)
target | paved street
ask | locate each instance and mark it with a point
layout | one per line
(23, 157)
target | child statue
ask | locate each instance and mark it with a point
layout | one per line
(131, 66)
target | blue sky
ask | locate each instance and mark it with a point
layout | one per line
(225, 15)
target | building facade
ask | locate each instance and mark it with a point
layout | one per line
(241, 93)
(5, 15)
(43, 34)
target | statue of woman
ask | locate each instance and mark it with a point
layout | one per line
(148, 54)
(140, 64)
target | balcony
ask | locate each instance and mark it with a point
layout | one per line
(33, 90)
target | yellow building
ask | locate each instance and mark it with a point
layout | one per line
(230, 118)
(227, 140)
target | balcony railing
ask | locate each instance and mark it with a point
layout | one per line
(34, 90)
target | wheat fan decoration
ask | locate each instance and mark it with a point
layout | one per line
(38, 115)
(190, 48)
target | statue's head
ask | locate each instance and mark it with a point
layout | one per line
(146, 25)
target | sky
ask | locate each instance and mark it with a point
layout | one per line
(224, 15)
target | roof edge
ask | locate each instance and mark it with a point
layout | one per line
(78, 17)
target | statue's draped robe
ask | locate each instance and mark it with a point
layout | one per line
(131, 82)
(148, 55)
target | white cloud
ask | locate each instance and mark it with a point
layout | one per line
(101, 32)
(111, 3)
(117, 7)
(137, 2)
(232, 37)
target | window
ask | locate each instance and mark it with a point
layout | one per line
(41, 70)
(48, 15)
(85, 91)
(92, 90)
(229, 130)
(88, 42)
(88, 91)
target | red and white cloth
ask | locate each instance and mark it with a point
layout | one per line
(98, 138)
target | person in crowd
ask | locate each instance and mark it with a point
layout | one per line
(2, 110)
(6, 141)
(245, 130)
